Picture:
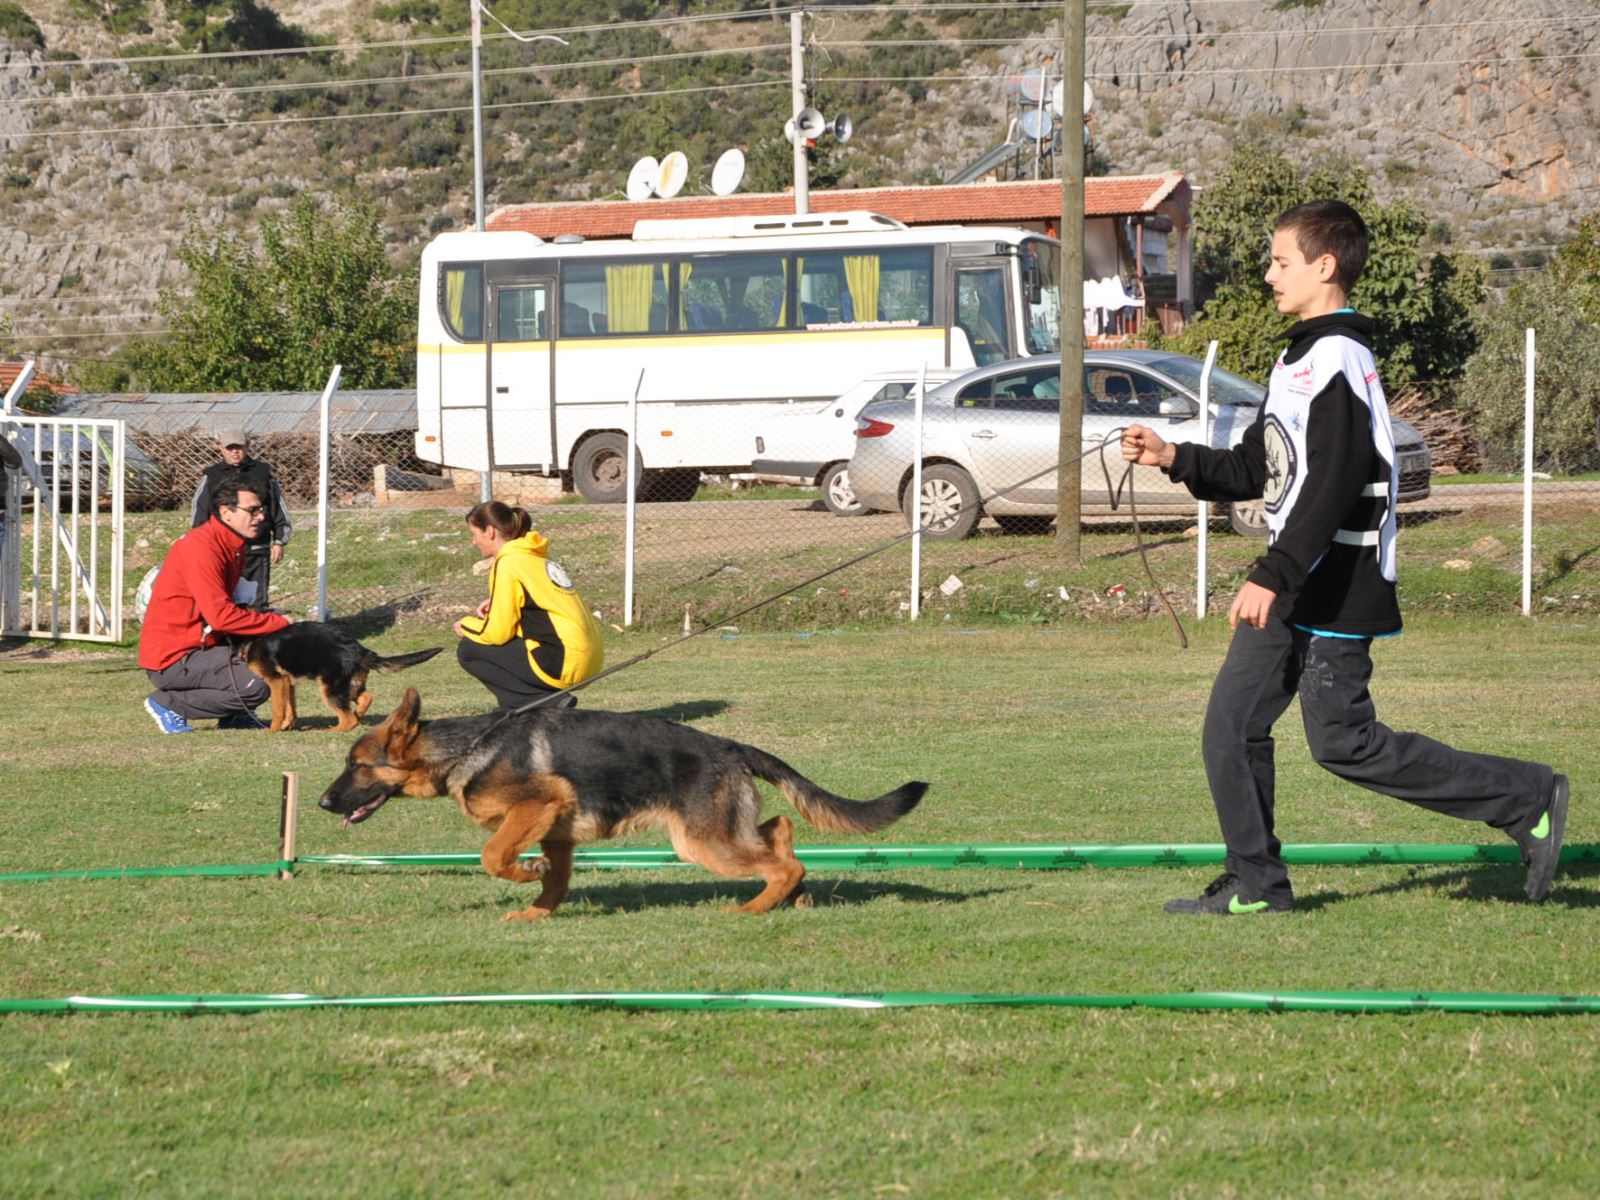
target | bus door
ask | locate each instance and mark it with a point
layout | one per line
(520, 371)
(983, 307)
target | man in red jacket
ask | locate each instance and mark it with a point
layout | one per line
(184, 645)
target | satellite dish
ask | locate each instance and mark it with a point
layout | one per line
(1058, 98)
(642, 179)
(1032, 84)
(1037, 125)
(1088, 99)
(809, 124)
(674, 172)
(843, 128)
(728, 173)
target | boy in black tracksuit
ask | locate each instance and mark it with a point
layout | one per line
(1321, 454)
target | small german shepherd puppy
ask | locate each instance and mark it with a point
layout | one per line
(559, 777)
(339, 663)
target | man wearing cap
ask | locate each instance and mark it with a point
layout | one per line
(266, 547)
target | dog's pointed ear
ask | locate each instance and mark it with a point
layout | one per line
(410, 707)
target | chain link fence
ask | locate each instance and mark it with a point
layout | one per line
(397, 540)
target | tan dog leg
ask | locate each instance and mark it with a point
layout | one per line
(772, 858)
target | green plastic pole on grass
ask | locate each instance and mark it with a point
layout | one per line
(1275, 1002)
(866, 858)
(1035, 857)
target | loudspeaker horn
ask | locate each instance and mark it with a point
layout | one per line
(809, 124)
(843, 128)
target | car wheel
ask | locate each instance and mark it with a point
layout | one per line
(949, 503)
(600, 469)
(1248, 517)
(836, 493)
(1024, 526)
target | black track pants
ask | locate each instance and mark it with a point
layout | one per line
(1265, 669)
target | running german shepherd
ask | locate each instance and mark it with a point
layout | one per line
(564, 776)
(339, 663)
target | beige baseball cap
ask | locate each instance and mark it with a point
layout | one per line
(232, 437)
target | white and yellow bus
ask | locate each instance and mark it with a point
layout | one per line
(528, 352)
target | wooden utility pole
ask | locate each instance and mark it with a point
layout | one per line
(1069, 479)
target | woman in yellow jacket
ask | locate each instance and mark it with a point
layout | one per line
(533, 635)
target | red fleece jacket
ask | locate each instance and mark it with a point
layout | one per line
(195, 590)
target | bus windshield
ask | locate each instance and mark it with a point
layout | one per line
(1041, 261)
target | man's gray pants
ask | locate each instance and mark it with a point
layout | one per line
(1264, 670)
(208, 683)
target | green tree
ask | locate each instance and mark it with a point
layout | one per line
(319, 291)
(1562, 306)
(1422, 303)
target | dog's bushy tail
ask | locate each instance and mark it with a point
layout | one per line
(823, 810)
(399, 662)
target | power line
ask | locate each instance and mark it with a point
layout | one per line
(386, 44)
(373, 81)
(257, 126)
(1210, 71)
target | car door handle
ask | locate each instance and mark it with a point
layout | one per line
(985, 433)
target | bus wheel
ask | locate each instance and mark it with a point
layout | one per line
(1248, 518)
(949, 503)
(600, 469)
(836, 493)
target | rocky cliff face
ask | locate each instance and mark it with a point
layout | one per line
(1489, 118)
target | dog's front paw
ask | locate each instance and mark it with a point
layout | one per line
(526, 914)
(533, 868)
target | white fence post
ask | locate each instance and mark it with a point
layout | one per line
(916, 494)
(629, 511)
(326, 407)
(1204, 518)
(1527, 475)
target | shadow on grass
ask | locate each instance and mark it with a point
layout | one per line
(1473, 883)
(603, 898)
(689, 710)
(370, 622)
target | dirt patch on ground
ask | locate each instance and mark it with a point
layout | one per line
(21, 651)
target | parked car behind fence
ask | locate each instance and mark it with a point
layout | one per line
(990, 429)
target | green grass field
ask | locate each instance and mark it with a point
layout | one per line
(1083, 732)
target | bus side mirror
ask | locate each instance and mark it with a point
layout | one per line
(1031, 283)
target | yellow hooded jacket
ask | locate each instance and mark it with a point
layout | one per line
(532, 598)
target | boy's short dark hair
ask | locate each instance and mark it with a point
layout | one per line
(1329, 227)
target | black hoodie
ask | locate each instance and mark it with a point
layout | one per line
(1321, 452)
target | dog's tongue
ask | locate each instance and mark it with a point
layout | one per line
(362, 813)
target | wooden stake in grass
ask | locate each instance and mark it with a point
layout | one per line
(286, 823)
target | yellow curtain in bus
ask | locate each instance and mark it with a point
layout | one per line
(684, 271)
(783, 305)
(861, 273)
(628, 291)
(455, 288)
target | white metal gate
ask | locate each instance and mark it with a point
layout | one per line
(61, 542)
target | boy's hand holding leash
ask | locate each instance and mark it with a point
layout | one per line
(1147, 448)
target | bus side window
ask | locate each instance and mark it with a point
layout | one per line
(461, 301)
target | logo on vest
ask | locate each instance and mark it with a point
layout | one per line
(558, 575)
(1281, 464)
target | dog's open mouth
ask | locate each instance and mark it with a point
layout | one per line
(365, 811)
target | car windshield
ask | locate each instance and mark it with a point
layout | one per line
(1226, 387)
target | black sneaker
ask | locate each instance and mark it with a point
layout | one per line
(243, 719)
(1222, 898)
(1541, 845)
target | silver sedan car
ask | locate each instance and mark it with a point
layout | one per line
(991, 440)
